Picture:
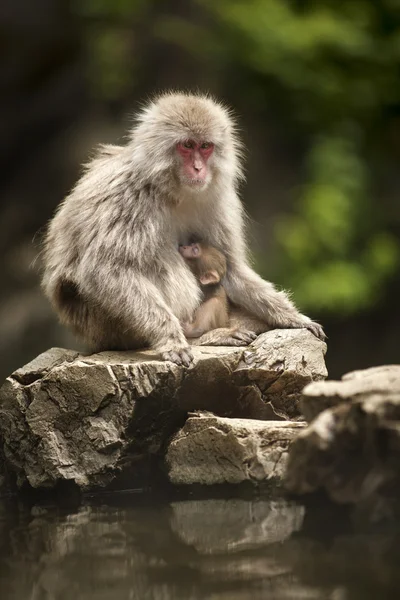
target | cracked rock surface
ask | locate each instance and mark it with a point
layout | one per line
(101, 419)
(212, 450)
(351, 449)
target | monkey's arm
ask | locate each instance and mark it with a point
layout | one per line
(248, 290)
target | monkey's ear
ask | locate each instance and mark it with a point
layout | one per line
(209, 278)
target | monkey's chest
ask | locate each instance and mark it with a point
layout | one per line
(192, 222)
(177, 285)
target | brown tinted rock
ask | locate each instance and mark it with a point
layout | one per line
(352, 450)
(213, 450)
(356, 385)
(89, 419)
(278, 365)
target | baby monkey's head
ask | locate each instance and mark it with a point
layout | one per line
(207, 263)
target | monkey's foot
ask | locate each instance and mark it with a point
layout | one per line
(224, 336)
(183, 356)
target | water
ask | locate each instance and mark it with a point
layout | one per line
(134, 547)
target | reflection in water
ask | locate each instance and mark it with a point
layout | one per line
(134, 549)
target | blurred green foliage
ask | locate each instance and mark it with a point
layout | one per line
(107, 33)
(338, 63)
(337, 256)
(329, 69)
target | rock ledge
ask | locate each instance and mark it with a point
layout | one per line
(351, 449)
(91, 419)
(212, 450)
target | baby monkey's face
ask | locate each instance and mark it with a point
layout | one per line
(207, 263)
(190, 251)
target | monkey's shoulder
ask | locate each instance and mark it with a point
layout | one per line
(106, 150)
(102, 154)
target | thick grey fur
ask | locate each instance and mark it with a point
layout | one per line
(111, 263)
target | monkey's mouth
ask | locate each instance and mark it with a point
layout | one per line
(195, 182)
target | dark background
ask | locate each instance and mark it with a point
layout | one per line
(316, 88)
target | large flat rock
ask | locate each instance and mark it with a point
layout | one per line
(94, 419)
(351, 450)
(213, 450)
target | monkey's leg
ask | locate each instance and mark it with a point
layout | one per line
(190, 331)
(212, 314)
(204, 319)
(225, 336)
(241, 319)
(142, 314)
(239, 327)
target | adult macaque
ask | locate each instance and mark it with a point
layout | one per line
(209, 267)
(111, 266)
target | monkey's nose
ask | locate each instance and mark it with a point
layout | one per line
(198, 166)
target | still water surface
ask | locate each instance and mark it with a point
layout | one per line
(130, 547)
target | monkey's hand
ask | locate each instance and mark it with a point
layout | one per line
(183, 356)
(305, 323)
(225, 336)
(172, 344)
(317, 330)
(180, 354)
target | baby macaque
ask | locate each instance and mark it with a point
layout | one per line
(209, 266)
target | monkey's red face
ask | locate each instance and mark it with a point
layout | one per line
(194, 158)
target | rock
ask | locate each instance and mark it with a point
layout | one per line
(351, 450)
(95, 420)
(278, 365)
(5, 483)
(213, 450)
(40, 366)
(354, 385)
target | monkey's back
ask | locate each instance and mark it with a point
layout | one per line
(112, 223)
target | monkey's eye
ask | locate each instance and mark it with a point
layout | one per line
(188, 144)
(205, 145)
